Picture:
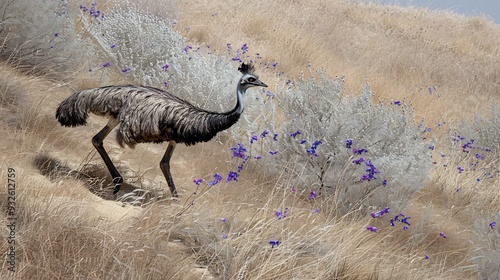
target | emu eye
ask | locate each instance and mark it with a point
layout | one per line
(251, 80)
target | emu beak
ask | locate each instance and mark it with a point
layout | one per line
(260, 83)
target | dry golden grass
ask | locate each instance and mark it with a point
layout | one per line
(65, 231)
(399, 51)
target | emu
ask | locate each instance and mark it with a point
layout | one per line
(146, 114)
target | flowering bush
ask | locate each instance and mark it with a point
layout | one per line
(364, 153)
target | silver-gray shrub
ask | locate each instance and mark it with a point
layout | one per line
(318, 108)
(31, 31)
(54, 35)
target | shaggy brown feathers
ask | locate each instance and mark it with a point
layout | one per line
(146, 114)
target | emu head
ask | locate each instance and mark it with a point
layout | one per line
(249, 79)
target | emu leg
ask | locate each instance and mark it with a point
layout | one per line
(97, 142)
(165, 167)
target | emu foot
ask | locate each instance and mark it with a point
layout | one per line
(118, 184)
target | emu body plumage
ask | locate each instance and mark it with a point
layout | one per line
(146, 114)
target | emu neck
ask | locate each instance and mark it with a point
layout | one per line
(227, 119)
(240, 102)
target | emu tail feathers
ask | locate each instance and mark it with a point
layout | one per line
(71, 112)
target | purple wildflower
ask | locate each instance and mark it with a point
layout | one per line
(281, 215)
(244, 48)
(358, 161)
(384, 183)
(293, 190)
(302, 141)
(273, 152)
(165, 66)
(264, 133)
(237, 58)
(468, 146)
(217, 177)
(232, 176)
(239, 151)
(198, 181)
(187, 48)
(106, 64)
(360, 151)
(223, 220)
(274, 243)
(125, 70)
(404, 220)
(165, 84)
(458, 138)
(113, 46)
(312, 150)
(313, 195)
(253, 138)
(371, 171)
(397, 102)
(348, 143)
(493, 224)
(269, 94)
(365, 177)
(294, 134)
(442, 234)
(372, 228)
(381, 212)
(275, 137)
(460, 169)
(257, 157)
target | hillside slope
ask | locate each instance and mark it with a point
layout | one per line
(274, 222)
